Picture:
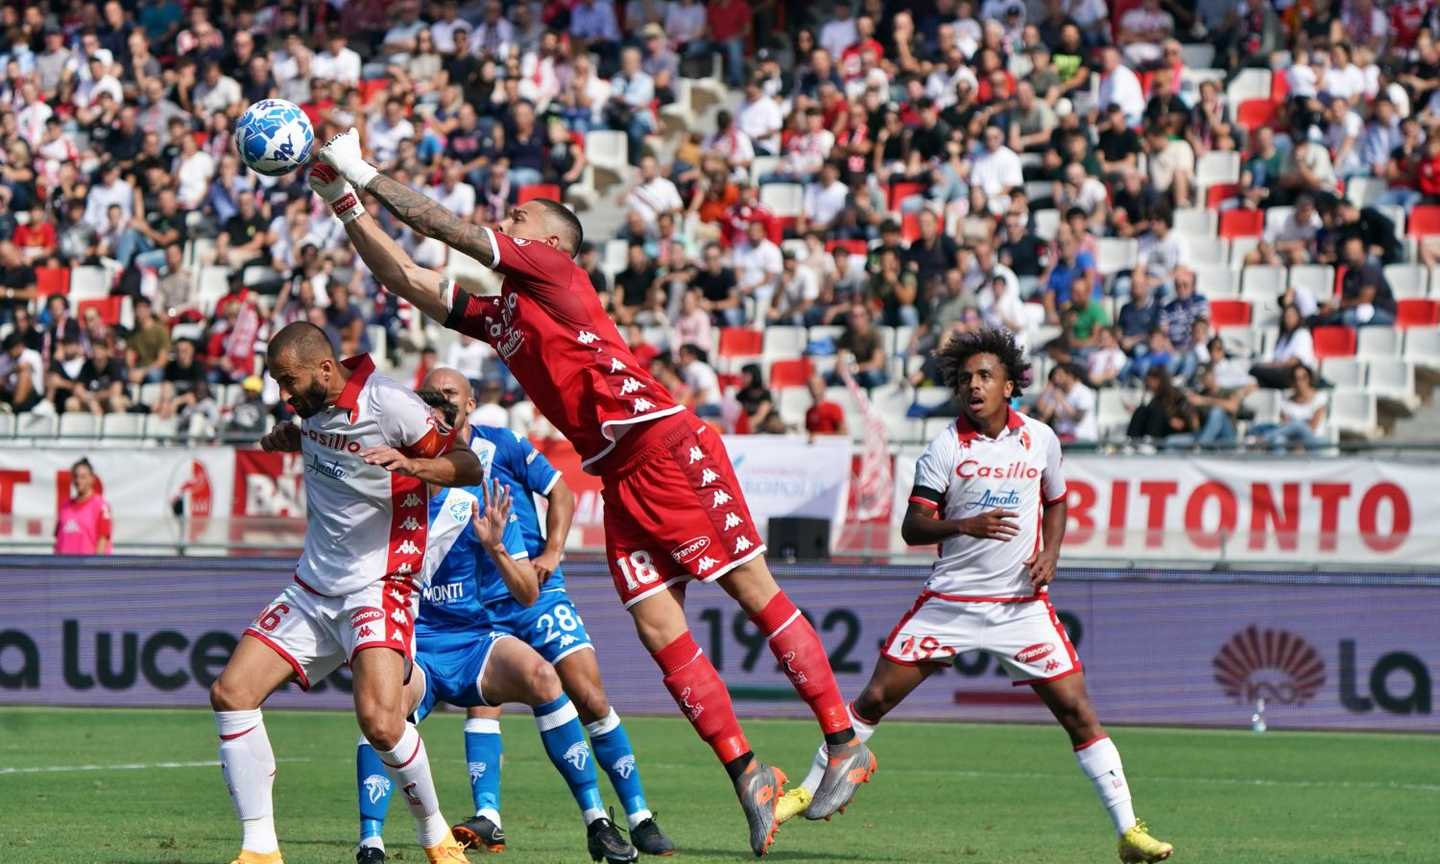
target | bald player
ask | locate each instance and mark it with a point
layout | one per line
(370, 445)
(548, 622)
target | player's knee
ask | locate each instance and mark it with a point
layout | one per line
(383, 729)
(541, 681)
(872, 703)
(225, 696)
(589, 701)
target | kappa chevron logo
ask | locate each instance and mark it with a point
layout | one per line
(1276, 665)
(377, 786)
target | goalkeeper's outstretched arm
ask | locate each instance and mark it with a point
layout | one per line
(396, 270)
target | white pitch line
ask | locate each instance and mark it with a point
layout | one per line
(124, 766)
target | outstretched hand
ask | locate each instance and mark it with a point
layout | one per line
(490, 525)
(342, 152)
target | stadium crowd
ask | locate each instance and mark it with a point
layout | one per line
(1093, 176)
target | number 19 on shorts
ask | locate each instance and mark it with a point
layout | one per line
(638, 568)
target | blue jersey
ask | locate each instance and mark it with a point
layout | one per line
(514, 461)
(456, 565)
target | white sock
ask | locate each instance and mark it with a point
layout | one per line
(409, 767)
(373, 842)
(489, 813)
(863, 731)
(248, 764)
(605, 724)
(637, 817)
(1101, 763)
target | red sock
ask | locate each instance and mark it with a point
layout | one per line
(702, 697)
(795, 645)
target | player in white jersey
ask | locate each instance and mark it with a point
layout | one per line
(370, 446)
(989, 491)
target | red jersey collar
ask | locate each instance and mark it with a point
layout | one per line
(967, 433)
(360, 367)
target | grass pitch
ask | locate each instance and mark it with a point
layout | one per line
(83, 785)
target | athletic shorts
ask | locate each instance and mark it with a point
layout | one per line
(316, 633)
(552, 626)
(674, 511)
(1023, 634)
(454, 665)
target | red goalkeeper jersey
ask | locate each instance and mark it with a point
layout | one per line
(549, 328)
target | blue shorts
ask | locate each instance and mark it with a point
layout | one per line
(453, 665)
(552, 626)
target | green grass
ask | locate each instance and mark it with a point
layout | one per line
(945, 793)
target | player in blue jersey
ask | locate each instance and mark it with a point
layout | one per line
(550, 625)
(462, 660)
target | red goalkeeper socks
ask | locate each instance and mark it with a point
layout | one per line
(795, 645)
(702, 697)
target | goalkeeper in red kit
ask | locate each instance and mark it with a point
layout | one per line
(674, 512)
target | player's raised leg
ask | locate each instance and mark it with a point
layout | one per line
(380, 708)
(795, 644)
(516, 673)
(1069, 701)
(246, 760)
(580, 676)
(483, 752)
(889, 684)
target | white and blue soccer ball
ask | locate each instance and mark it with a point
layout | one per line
(274, 137)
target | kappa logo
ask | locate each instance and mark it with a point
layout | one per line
(720, 499)
(686, 552)
(410, 524)
(691, 711)
(731, 521)
(696, 454)
(586, 337)
(1272, 664)
(741, 544)
(643, 405)
(1052, 665)
(407, 547)
(477, 770)
(707, 477)
(624, 766)
(630, 385)
(578, 755)
(616, 365)
(1035, 653)
(377, 786)
(399, 617)
(705, 563)
(365, 633)
(411, 500)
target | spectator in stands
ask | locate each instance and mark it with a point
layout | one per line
(1303, 415)
(64, 387)
(1171, 163)
(700, 380)
(824, 200)
(653, 195)
(861, 348)
(1218, 406)
(1374, 228)
(1293, 347)
(82, 524)
(1365, 295)
(692, 324)
(719, 288)
(22, 374)
(245, 421)
(796, 294)
(634, 282)
(17, 281)
(1120, 86)
(631, 93)
(755, 402)
(1068, 269)
(758, 264)
(105, 381)
(245, 234)
(1294, 241)
(181, 379)
(823, 417)
(1181, 313)
(1105, 363)
(1167, 412)
(1067, 406)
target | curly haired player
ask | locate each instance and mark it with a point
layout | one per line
(990, 493)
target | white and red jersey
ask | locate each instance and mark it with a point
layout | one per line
(364, 524)
(549, 328)
(963, 473)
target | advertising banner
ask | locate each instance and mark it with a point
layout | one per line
(1158, 647)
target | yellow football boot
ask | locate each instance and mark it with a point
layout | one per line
(248, 857)
(446, 852)
(792, 804)
(1136, 845)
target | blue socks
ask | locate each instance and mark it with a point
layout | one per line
(617, 758)
(564, 740)
(374, 788)
(482, 757)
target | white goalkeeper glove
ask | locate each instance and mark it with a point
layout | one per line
(341, 197)
(342, 152)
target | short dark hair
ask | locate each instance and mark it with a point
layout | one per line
(572, 233)
(989, 340)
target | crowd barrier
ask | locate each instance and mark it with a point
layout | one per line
(1158, 646)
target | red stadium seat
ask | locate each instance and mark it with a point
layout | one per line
(1279, 89)
(1255, 113)
(52, 280)
(741, 342)
(791, 373)
(1416, 312)
(108, 307)
(1424, 220)
(1334, 341)
(537, 190)
(910, 227)
(1230, 313)
(370, 87)
(1241, 223)
(1219, 193)
(898, 192)
(855, 247)
(729, 380)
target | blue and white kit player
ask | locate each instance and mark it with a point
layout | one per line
(462, 660)
(550, 625)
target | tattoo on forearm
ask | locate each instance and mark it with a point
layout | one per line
(426, 216)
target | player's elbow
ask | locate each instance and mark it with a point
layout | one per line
(527, 590)
(909, 532)
(468, 471)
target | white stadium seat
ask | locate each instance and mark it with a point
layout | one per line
(1407, 280)
(1393, 380)
(1354, 413)
(1344, 371)
(783, 199)
(1378, 343)
(1422, 346)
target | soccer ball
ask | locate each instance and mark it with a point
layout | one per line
(274, 137)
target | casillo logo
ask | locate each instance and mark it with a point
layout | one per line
(1274, 664)
(690, 549)
(1014, 471)
(1035, 653)
(360, 616)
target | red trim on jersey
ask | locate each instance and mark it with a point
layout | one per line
(965, 598)
(233, 735)
(1066, 674)
(967, 433)
(1057, 499)
(284, 655)
(360, 367)
(1075, 665)
(1084, 744)
(308, 589)
(861, 717)
(430, 445)
(923, 502)
(405, 555)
